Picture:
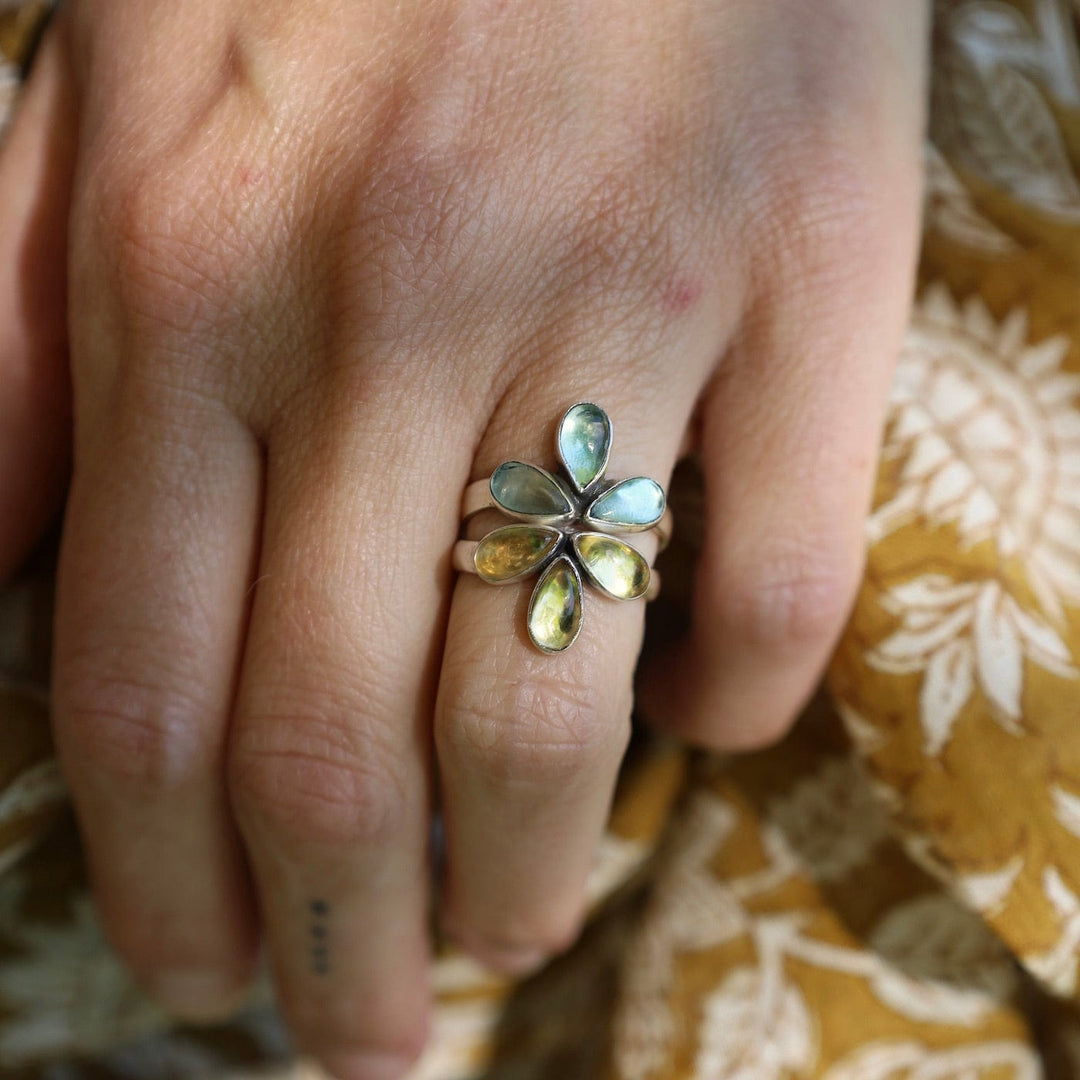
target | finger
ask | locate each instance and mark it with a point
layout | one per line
(792, 423)
(328, 762)
(35, 185)
(790, 433)
(155, 563)
(529, 744)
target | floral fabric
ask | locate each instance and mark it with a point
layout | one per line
(891, 893)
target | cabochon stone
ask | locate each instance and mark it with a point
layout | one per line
(555, 608)
(584, 443)
(637, 503)
(614, 567)
(524, 489)
(513, 550)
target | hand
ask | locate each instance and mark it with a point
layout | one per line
(329, 263)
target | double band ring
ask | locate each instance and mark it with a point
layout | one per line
(566, 529)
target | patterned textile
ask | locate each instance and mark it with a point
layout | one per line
(893, 892)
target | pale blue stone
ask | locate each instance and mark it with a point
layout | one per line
(637, 503)
(584, 443)
(526, 491)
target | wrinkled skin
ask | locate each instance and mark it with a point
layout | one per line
(329, 262)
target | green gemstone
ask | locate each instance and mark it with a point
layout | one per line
(613, 567)
(637, 503)
(584, 442)
(513, 550)
(555, 607)
(527, 491)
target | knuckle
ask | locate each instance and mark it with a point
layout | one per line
(167, 242)
(146, 738)
(820, 220)
(787, 600)
(313, 781)
(539, 732)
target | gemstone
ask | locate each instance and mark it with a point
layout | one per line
(637, 503)
(513, 550)
(584, 443)
(527, 491)
(555, 607)
(613, 567)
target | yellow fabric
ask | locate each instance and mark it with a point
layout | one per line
(892, 893)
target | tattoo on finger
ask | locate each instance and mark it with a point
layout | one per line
(319, 911)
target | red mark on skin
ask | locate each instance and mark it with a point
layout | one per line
(680, 295)
(248, 177)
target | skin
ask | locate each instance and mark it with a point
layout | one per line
(326, 265)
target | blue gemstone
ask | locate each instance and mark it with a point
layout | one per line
(637, 503)
(584, 443)
(526, 491)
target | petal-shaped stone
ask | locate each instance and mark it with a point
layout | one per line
(613, 567)
(513, 551)
(584, 443)
(555, 607)
(527, 491)
(637, 503)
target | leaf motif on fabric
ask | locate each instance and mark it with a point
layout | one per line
(985, 430)
(754, 1029)
(944, 964)
(951, 211)
(992, 115)
(831, 819)
(985, 891)
(1056, 967)
(998, 654)
(962, 638)
(946, 688)
(1066, 809)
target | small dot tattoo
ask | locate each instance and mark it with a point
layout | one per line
(319, 911)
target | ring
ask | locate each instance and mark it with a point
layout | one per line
(567, 528)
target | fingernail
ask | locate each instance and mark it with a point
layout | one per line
(199, 997)
(368, 1065)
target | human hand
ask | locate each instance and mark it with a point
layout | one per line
(329, 265)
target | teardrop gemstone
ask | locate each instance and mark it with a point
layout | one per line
(512, 551)
(637, 503)
(613, 567)
(584, 442)
(555, 607)
(524, 490)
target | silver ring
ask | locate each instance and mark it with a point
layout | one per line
(566, 528)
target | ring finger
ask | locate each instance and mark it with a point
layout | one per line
(529, 743)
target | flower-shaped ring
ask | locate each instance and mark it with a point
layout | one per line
(566, 528)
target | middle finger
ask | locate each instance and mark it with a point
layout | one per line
(329, 757)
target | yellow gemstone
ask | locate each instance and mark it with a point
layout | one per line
(513, 550)
(613, 567)
(555, 608)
